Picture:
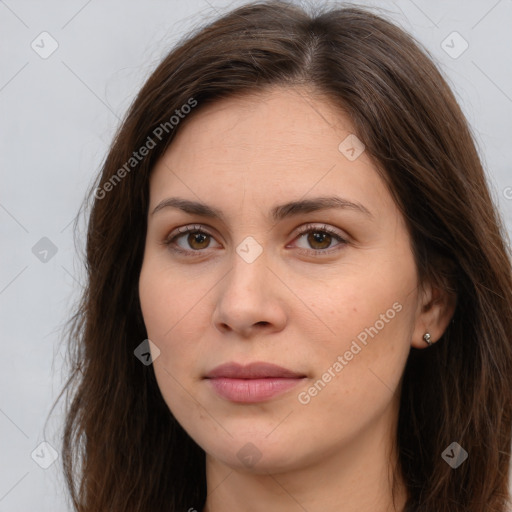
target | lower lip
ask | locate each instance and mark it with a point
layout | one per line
(252, 390)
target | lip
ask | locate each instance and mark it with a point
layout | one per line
(252, 383)
(257, 370)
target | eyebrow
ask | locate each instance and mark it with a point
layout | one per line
(277, 213)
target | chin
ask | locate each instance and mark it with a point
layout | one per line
(257, 454)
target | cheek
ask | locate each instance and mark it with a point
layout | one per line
(363, 306)
(359, 371)
(166, 297)
(370, 314)
(162, 309)
(173, 307)
(165, 303)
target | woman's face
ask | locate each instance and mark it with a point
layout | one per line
(330, 294)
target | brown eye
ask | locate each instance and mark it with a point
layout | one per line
(195, 240)
(319, 240)
(199, 238)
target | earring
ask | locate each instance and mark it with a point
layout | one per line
(426, 337)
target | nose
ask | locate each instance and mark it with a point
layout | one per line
(251, 299)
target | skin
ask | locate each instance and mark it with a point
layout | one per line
(243, 156)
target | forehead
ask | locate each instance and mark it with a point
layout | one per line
(296, 115)
(282, 143)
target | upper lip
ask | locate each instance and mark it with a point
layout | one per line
(257, 370)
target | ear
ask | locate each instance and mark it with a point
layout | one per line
(435, 310)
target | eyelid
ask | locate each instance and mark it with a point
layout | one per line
(319, 226)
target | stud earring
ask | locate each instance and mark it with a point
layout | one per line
(426, 337)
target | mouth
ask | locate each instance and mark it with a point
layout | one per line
(252, 383)
(252, 371)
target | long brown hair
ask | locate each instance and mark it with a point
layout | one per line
(122, 448)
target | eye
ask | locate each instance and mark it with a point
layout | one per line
(320, 238)
(197, 240)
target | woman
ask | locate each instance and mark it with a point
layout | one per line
(299, 293)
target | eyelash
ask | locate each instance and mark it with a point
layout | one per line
(309, 228)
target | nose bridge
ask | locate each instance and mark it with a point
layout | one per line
(246, 297)
(249, 269)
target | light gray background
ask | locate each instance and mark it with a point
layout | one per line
(58, 116)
